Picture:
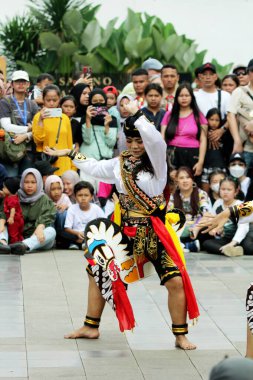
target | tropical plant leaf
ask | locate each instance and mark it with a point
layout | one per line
(32, 70)
(168, 30)
(67, 49)
(107, 32)
(132, 21)
(50, 41)
(170, 46)
(73, 21)
(179, 54)
(131, 42)
(90, 59)
(144, 48)
(158, 42)
(188, 57)
(108, 55)
(91, 37)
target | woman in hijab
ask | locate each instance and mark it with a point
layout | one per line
(38, 213)
(70, 179)
(81, 94)
(121, 138)
(99, 131)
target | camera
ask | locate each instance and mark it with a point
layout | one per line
(101, 110)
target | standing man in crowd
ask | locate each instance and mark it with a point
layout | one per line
(170, 79)
(210, 97)
(153, 67)
(241, 72)
(16, 115)
(42, 81)
(140, 82)
(240, 117)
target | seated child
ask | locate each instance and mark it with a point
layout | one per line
(12, 210)
(54, 190)
(230, 241)
(79, 214)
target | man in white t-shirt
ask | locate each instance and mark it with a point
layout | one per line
(81, 213)
(210, 97)
(207, 97)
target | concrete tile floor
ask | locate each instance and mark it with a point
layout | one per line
(43, 296)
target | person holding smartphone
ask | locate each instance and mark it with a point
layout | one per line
(52, 128)
(99, 131)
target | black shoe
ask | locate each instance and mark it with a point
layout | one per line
(5, 249)
(18, 248)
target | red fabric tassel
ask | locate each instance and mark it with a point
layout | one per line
(123, 307)
(170, 248)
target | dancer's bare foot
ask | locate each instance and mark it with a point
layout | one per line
(84, 332)
(183, 343)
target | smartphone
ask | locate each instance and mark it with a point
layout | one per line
(101, 110)
(54, 112)
(87, 71)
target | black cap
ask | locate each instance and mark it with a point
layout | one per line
(237, 156)
(250, 65)
(207, 66)
(44, 167)
(12, 184)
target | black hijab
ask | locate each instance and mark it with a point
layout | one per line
(100, 119)
(77, 91)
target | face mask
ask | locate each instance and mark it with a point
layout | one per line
(215, 187)
(236, 171)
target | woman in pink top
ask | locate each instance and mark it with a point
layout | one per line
(184, 128)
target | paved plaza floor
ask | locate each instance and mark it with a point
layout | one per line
(43, 296)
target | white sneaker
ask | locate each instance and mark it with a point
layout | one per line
(74, 247)
(233, 251)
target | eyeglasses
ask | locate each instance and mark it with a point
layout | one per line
(239, 73)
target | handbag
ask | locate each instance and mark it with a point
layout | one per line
(9, 151)
(46, 157)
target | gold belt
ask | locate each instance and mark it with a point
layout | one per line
(134, 214)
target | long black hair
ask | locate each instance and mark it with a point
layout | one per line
(194, 198)
(174, 117)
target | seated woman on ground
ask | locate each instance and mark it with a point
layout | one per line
(38, 213)
(214, 184)
(229, 241)
(194, 202)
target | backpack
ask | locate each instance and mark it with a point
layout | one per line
(9, 151)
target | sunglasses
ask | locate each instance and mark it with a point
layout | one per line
(239, 73)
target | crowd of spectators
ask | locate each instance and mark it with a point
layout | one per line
(207, 125)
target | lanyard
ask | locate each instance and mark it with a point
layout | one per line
(22, 114)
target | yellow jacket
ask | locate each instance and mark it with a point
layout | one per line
(45, 135)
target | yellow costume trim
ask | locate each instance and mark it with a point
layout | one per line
(117, 214)
(171, 218)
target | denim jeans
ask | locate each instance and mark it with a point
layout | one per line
(33, 243)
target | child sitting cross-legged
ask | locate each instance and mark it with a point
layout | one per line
(79, 214)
